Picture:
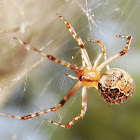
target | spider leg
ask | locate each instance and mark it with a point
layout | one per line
(124, 51)
(9, 30)
(84, 55)
(50, 57)
(72, 77)
(58, 106)
(102, 53)
(97, 61)
(83, 111)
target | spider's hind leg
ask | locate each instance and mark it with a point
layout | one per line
(124, 51)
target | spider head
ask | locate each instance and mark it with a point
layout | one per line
(116, 86)
(88, 77)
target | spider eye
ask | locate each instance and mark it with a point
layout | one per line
(116, 86)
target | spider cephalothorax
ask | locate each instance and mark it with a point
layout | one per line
(89, 77)
(115, 85)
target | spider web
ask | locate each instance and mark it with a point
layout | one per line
(30, 82)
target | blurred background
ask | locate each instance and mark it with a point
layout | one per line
(30, 83)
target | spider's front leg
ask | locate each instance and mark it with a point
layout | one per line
(101, 53)
(84, 55)
(83, 111)
(58, 106)
(50, 57)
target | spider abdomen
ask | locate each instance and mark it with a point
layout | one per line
(115, 86)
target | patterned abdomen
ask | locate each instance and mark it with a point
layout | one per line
(115, 86)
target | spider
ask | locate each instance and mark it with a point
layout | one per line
(115, 85)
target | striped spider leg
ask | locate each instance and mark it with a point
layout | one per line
(84, 55)
(102, 53)
(88, 76)
(124, 51)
